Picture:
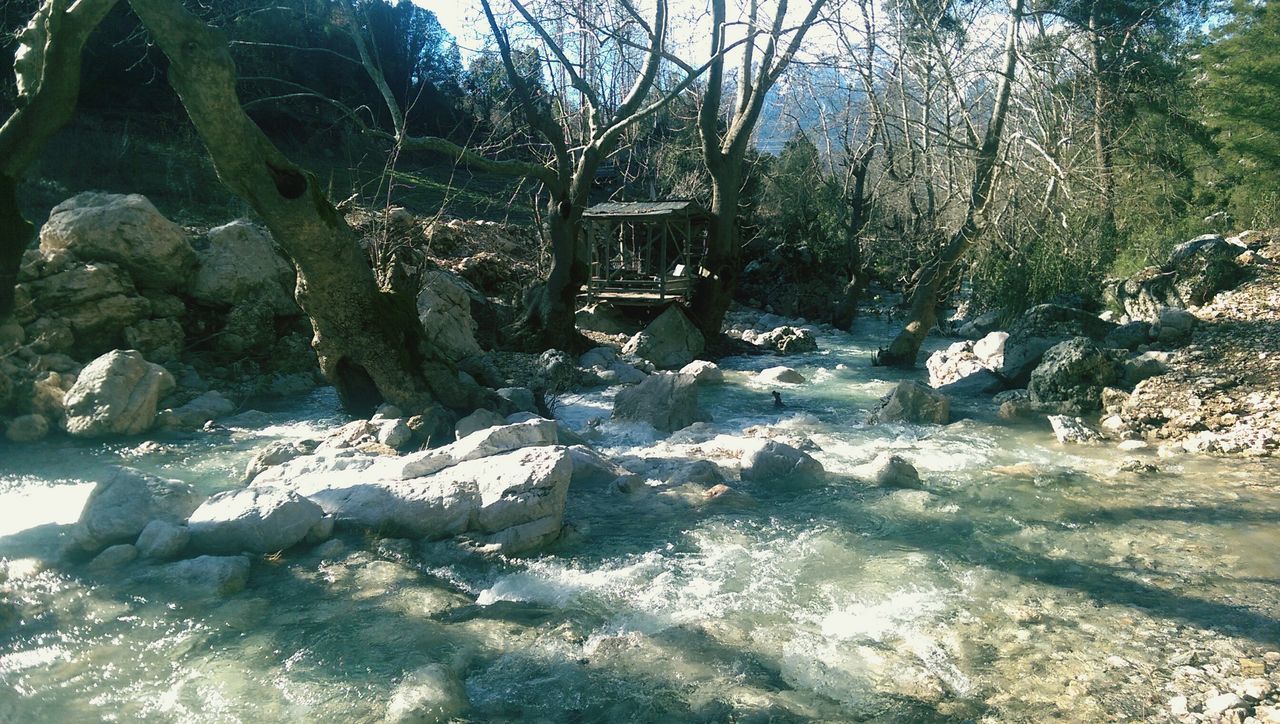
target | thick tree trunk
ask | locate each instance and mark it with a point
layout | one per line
(49, 83)
(714, 291)
(369, 343)
(548, 321)
(904, 349)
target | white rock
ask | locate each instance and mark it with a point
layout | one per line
(240, 264)
(116, 394)
(1216, 705)
(667, 401)
(260, 519)
(393, 433)
(669, 342)
(444, 308)
(1072, 430)
(785, 375)
(124, 230)
(161, 539)
(481, 419)
(770, 461)
(203, 576)
(1254, 689)
(209, 406)
(703, 372)
(889, 470)
(114, 557)
(122, 505)
(990, 350)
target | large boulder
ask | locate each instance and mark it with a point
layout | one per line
(669, 342)
(952, 364)
(241, 263)
(125, 502)
(444, 308)
(261, 519)
(484, 497)
(124, 230)
(1040, 328)
(1073, 375)
(203, 576)
(786, 340)
(667, 401)
(1194, 272)
(773, 462)
(89, 307)
(912, 402)
(116, 394)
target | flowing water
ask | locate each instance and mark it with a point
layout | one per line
(1028, 581)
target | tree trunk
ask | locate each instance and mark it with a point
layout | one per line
(904, 349)
(714, 291)
(1101, 143)
(49, 80)
(548, 321)
(369, 343)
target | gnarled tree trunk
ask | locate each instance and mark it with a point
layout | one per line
(932, 278)
(369, 342)
(48, 69)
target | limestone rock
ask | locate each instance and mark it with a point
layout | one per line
(277, 453)
(1039, 329)
(770, 461)
(241, 263)
(209, 406)
(1128, 336)
(124, 230)
(161, 540)
(203, 576)
(1073, 372)
(481, 419)
(788, 340)
(912, 402)
(114, 557)
(428, 694)
(444, 308)
(1173, 326)
(703, 372)
(122, 505)
(260, 519)
(116, 394)
(669, 342)
(784, 375)
(950, 365)
(1144, 366)
(1195, 271)
(1072, 430)
(890, 471)
(666, 401)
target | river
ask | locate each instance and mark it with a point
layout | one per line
(1027, 581)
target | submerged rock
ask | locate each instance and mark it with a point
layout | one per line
(890, 471)
(116, 394)
(209, 406)
(114, 557)
(122, 505)
(785, 375)
(1073, 430)
(770, 461)
(912, 402)
(260, 519)
(666, 401)
(203, 576)
(429, 694)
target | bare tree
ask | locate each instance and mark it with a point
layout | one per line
(48, 71)
(726, 137)
(931, 278)
(581, 124)
(369, 342)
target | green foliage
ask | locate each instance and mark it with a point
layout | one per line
(799, 203)
(1241, 97)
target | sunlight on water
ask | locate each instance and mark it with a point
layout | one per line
(1007, 588)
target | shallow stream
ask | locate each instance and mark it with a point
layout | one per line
(1028, 581)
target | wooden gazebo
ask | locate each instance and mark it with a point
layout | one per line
(644, 253)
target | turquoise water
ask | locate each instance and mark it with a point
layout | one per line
(1028, 581)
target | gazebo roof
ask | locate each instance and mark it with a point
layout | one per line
(644, 210)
